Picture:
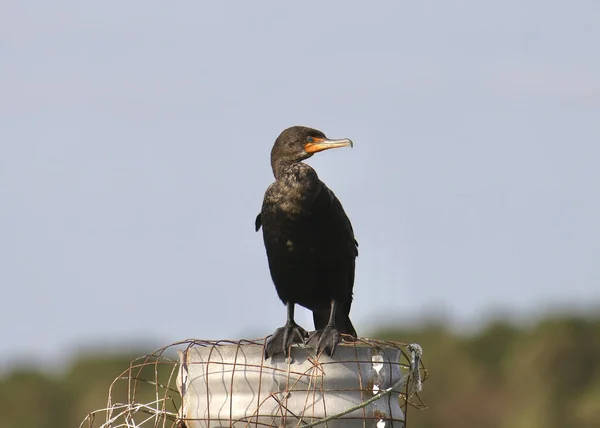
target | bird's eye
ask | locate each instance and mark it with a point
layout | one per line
(309, 139)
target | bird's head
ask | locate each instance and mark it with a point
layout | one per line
(299, 142)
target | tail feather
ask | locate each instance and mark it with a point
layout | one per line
(342, 321)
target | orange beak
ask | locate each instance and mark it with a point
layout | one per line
(320, 144)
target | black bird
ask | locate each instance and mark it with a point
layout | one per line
(310, 243)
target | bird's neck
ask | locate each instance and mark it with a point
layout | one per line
(297, 174)
(283, 167)
(296, 187)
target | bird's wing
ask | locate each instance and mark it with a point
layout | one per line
(339, 210)
(258, 222)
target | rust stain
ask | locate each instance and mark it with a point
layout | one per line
(380, 414)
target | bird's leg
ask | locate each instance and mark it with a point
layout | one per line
(284, 337)
(326, 339)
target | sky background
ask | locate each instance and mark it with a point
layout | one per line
(134, 155)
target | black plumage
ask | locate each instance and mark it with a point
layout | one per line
(309, 242)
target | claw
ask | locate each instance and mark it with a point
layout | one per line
(283, 338)
(324, 340)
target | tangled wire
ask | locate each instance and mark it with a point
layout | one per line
(200, 383)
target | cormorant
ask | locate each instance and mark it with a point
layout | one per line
(309, 242)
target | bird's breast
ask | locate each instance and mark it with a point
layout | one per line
(291, 196)
(288, 228)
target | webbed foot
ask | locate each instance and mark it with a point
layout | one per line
(324, 340)
(283, 338)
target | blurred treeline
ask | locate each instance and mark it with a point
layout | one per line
(545, 375)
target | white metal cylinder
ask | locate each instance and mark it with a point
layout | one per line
(233, 386)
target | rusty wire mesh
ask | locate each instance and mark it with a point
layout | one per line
(149, 393)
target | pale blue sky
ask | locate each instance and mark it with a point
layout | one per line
(135, 141)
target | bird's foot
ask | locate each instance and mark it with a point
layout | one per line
(324, 340)
(283, 338)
